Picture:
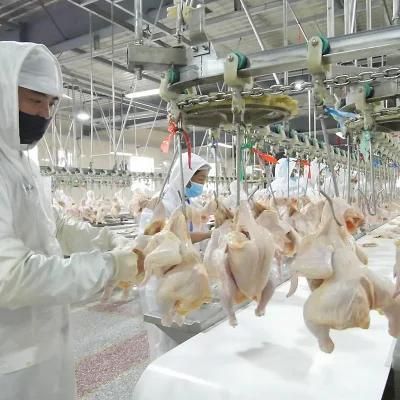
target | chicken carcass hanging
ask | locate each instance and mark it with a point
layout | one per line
(346, 290)
(183, 281)
(245, 263)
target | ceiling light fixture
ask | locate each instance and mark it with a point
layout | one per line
(120, 153)
(227, 146)
(340, 134)
(83, 116)
(143, 93)
(298, 85)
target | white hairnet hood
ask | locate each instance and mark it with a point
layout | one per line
(281, 168)
(281, 185)
(171, 198)
(36, 283)
(31, 66)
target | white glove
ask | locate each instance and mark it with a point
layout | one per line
(125, 265)
(125, 275)
(120, 242)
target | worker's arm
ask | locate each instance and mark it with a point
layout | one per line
(28, 278)
(78, 236)
(199, 236)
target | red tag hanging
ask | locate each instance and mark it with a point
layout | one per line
(165, 143)
(173, 129)
(265, 157)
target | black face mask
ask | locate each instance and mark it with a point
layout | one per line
(31, 127)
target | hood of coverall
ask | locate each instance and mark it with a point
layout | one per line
(34, 67)
(31, 66)
(281, 168)
(175, 178)
(171, 198)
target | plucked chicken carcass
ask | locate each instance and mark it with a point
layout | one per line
(245, 259)
(307, 219)
(223, 225)
(285, 237)
(346, 290)
(157, 221)
(183, 280)
(115, 208)
(140, 200)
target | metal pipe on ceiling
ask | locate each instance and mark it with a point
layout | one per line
(330, 18)
(396, 12)
(285, 36)
(167, 31)
(91, 86)
(138, 33)
(297, 21)
(138, 22)
(353, 16)
(15, 6)
(179, 21)
(368, 8)
(317, 18)
(344, 48)
(347, 6)
(113, 86)
(99, 14)
(74, 126)
(253, 26)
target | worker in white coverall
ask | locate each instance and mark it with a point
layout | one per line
(280, 184)
(36, 283)
(194, 179)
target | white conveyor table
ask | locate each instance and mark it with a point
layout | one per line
(275, 357)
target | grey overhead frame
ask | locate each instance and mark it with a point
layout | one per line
(343, 48)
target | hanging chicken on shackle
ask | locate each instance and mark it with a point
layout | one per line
(244, 258)
(344, 290)
(182, 277)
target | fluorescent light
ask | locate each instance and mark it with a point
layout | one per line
(143, 93)
(298, 85)
(65, 96)
(228, 146)
(120, 153)
(83, 116)
(340, 134)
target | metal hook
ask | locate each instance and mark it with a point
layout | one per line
(367, 203)
(329, 200)
(381, 196)
(253, 193)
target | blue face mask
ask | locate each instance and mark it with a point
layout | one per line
(195, 189)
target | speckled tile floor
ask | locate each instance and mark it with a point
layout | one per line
(110, 349)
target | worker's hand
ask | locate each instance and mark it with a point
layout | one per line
(127, 272)
(118, 242)
(125, 262)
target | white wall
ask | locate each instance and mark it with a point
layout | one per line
(106, 161)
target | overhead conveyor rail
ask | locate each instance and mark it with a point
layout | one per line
(342, 49)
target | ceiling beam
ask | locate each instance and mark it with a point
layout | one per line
(387, 13)
(278, 26)
(101, 14)
(255, 10)
(102, 88)
(10, 25)
(117, 66)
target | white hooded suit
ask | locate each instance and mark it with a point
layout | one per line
(171, 198)
(36, 282)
